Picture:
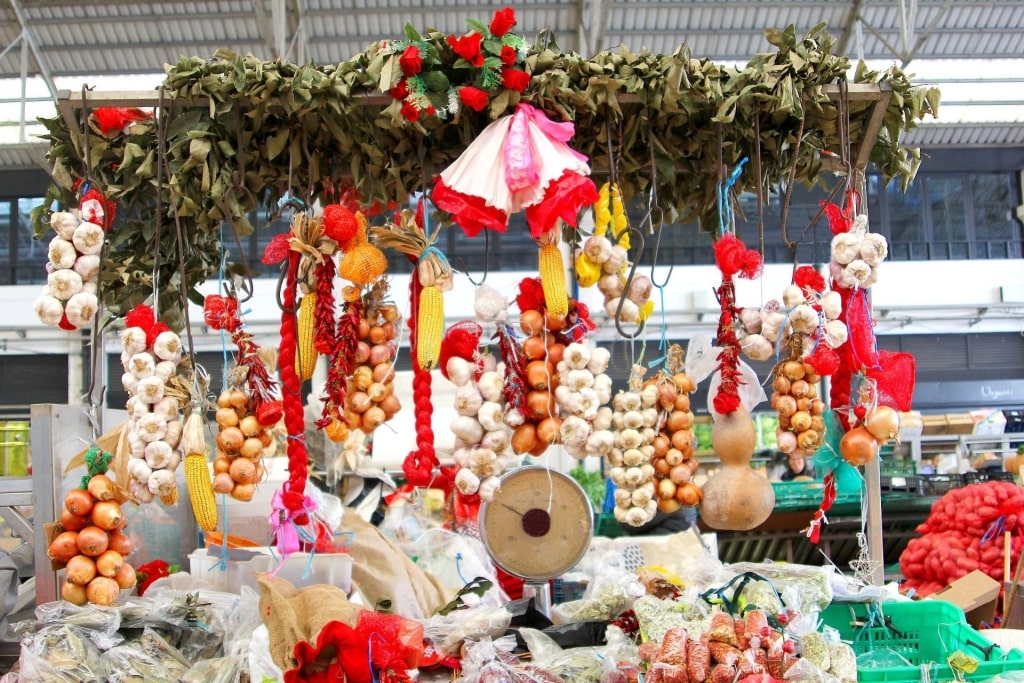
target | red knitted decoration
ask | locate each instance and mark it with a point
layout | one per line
(323, 312)
(140, 316)
(291, 392)
(154, 332)
(419, 464)
(733, 257)
(340, 224)
(531, 295)
(462, 340)
(809, 280)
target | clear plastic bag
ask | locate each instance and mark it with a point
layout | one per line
(803, 671)
(99, 624)
(491, 661)
(447, 633)
(241, 624)
(260, 664)
(843, 662)
(802, 587)
(454, 560)
(612, 590)
(149, 659)
(219, 670)
(60, 653)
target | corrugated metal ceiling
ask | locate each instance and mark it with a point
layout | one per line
(77, 39)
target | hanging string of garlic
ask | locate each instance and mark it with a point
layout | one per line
(634, 422)
(583, 395)
(856, 255)
(68, 299)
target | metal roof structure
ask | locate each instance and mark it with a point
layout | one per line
(55, 39)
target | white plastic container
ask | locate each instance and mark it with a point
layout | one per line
(330, 568)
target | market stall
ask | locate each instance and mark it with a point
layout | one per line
(372, 158)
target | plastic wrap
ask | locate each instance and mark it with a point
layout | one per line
(843, 662)
(261, 665)
(803, 671)
(219, 670)
(60, 653)
(611, 591)
(802, 587)
(583, 664)
(447, 633)
(489, 661)
(149, 659)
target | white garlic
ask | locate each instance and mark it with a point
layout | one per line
(640, 289)
(459, 370)
(151, 427)
(649, 396)
(467, 482)
(831, 305)
(599, 359)
(771, 326)
(576, 356)
(161, 483)
(854, 274)
(158, 454)
(491, 416)
(756, 347)
(623, 497)
(484, 462)
(130, 382)
(468, 400)
(165, 370)
(598, 249)
(167, 407)
(134, 340)
(640, 497)
(634, 477)
(61, 253)
(49, 310)
(64, 223)
(619, 512)
(600, 442)
(603, 418)
(611, 285)
(792, 296)
(574, 431)
(81, 308)
(650, 416)
(488, 488)
(151, 389)
(845, 248)
(468, 429)
(630, 400)
(836, 333)
(633, 419)
(632, 457)
(803, 319)
(491, 385)
(514, 418)
(873, 249)
(142, 365)
(497, 440)
(579, 379)
(490, 305)
(637, 517)
(750, 319)
(629, 313)
(88, 238)
(139, 469)
(617, 473)
(616, 259)
(65, 283)
(88, 266)
(602, 388)
(140, 491)
(167, 346)
(174, 431)
(872, 278)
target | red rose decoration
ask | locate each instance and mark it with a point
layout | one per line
(474, 98)
(468, 47)
(400, 91)
(410, 61)
(503, 21)
(508, 55)
(410, 112)
(514, 79)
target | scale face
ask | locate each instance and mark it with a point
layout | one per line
(539, 524)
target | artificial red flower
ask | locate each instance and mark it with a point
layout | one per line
(410, 112)
(150, 572)
(400, 91)
(410, 61)
(509, 55)
(474, 98)
(515, 79)
(468, 47)
(503, 21)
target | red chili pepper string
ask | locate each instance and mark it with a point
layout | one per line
(291, 394)
(813, 530)
(419, 464)
(515, 368)
(727, 400)
(323, 313)
(340, 366)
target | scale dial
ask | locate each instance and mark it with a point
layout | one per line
(538, 525)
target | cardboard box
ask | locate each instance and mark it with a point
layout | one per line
(1014, 619)
(932, 425)
(959, 423)
(976, 594)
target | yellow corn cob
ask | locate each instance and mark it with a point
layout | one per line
(200, 491)
(170, 498)
(429, 327)
(305, 354)
(552, 280)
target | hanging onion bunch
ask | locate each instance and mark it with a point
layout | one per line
(635, 416)
(242, 443)
(69, 299)
(603, 259)
(152, 360)
(856, 255)
(674, 460)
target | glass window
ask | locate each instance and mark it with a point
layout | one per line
(994, 203)
(948, 208)
(906, 213)
(28, 255)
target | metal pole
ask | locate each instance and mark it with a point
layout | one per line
(873, 478)
(24, 89)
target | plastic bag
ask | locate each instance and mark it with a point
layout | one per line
(843, 662)
(803, 671)
(490, 661)
(612, 590)
(149, 659)
(750, 391)
(219, 670)
(447, 633)
(620, 658)
(99, 624)
(802, 587)
(261, 665)
(454, 559)
(241, 624)
(60, 653)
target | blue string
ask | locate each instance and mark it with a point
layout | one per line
(369, 644)
(223, 333)
(778, 340)
(724, 206)
(995, 530)
(223, 564)
(663, 341)
(458, 568)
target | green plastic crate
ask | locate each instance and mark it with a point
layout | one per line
(922, 632)
(805, 495)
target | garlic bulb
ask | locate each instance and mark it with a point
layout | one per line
(831, 305)
(872, 278)
(64, 283)
(597, 248)
(88, 238)
(165, 369)
(133, 339)
(174, 431)
(616, 259)
(142, 365)
(88, 266)
(602, 419)
(48, 309)
(459, 370)
(854, 274)
(151, 389)
(491, 416)
(489, 305)
(628, 438)
(770, 326)
(514, 418)
(468, 429)
(488, 488)
(574, 431)
(151, 427)
(845, 248)
(61, 253)
(139, 469)
(792, 296)
(578, 379)
(803, 319)
(466, 482)
(167, 346)
(757, 347)
(600, 442)
(576, 356)
(161, 482)
(468, 400)
(140, 491)
(750, 319)
(873, 249)
(603, 388)
(158, 454)
(491, 385)
(634, 476)
(636, 516)
(167, 407)
(81, 308)
(611, 285)
(640, 289)
(64, 224)
(599, 359)
(483, 462)
(836, 333)
(497, 440)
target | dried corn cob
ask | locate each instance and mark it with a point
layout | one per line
(305, 353)
(552, 275)
(429, 327)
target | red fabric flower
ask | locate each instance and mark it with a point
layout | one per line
(515, 79)
(474, 98)
(468, 47)
(808, 279)
(150, 572)
(531, 294)
(339, 654)
(509, 55)
(400, 91)
(503, 21)
(410, 61)
(410, 112)
(564, 198)
(726, 403)
(471, 213)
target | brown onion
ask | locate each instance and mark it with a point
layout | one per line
(667, 395)
(534, 347)
(781, 384)
(799, 388)
(808, 440)
(361, 354)
(224, 399)
(230, 440)
(531, 322)
(70, 522)
(243, 492)
(121, 542)
(661, 445)
(858, 446)
(688, 494)
(390, 405)
(383, 372)
(680, 474)
(103, 591)
(682, 403)
(223, 483)
(73, 593)
(101, 487)
(107, 515)
(883, 423)
(548, 429)
(238, 399)
(556, 352)
(63, 547)
(683, 441)
(359, 401)
(538, 374)
(250, 426)
(78, 502)
(109, 563)
(666, 488)
(524, 438)
(377, 335)
(363, 328)
(226, 417)
(799, 421)
(381, 353)
(674, 456)
(661, 466)
(372, 418)
(683, 383)
(243, 471)
(786, 405)
(81, 570)
(252, 448)
(679, 420)
(540, 404)
(362, 377)
(793, 370)
(126, 577)
(669, 505)
(92, 541)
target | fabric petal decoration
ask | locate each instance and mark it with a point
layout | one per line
(471, 213)
(564, 199)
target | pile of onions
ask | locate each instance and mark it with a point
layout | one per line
(801, 422)
(370, 398)
(860, 445)
(90, 544)
(674, 460)
(242, 443)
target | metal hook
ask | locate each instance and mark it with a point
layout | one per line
(487, 250)
(280, 287)
(652, 206)
(639, 237)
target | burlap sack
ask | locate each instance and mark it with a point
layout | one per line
(292, 615)
(382, 571)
